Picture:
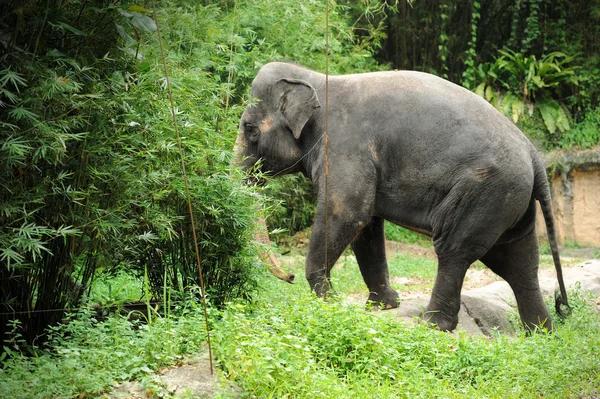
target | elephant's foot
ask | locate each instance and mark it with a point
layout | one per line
(443, 321)
(321, 286)
(385, 298)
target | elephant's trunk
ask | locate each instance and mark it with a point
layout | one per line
(238, 156)
(262, 234)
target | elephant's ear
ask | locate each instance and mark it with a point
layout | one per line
(297, 102)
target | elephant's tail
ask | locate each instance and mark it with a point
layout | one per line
(541, 192)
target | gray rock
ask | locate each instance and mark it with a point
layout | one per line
(485, 309)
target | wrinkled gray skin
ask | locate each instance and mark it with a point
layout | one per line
(418, 151)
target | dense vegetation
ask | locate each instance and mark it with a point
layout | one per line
(91, 186)
(91, 180)
(534, 60)
(287, 344)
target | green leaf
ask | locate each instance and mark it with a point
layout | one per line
(506, 103)
(518, 109)
(538, 81)
(129, 41)
(489, 93)
(135, 8)
(562, 120)
(19, 113)
(143, 22)
(9, 256)
(12, 97)
(16, 79)
(64, 26)
(480, 90)
(549, 110)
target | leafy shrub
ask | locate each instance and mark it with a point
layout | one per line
(85, 357)
(62, 200)
(292, 204)
(586, 134)
(515, 84)
(92, 174)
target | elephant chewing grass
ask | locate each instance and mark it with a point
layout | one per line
(416, 150)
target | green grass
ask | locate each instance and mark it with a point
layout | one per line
(84, 357)
(396, 233)
(346, 275)
(288, 344)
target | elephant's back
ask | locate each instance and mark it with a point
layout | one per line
(420, 114)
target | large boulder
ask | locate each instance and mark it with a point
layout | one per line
(485, 309)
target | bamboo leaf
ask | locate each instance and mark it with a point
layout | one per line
(143, 22)
(20, 113)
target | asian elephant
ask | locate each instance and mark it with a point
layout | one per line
(418, 151)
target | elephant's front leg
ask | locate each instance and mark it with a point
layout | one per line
(323, 251)
(369, 248)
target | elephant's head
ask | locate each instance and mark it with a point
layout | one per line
(271, 129)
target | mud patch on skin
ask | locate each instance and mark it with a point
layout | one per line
(374, 152)
(337, 206)
(295, 153)
(265, 125)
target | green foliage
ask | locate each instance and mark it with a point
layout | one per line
(85, 357)
(587, 94)
(309, 348)
(519, 86)
(532, 25)
(286, 343)
(92, 178)
(586, 134)
(541, 33)
(468, 76)
(443, 40)
(61, 202)
(119, 287)
(396, 233)
(293, 204)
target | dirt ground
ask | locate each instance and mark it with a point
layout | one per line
(188, 379)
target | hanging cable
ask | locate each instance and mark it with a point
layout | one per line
(231, 51)
(187, 188)
(326, 281)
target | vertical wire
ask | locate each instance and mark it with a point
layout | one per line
(326, 280)
(187, 188)
(231, 50)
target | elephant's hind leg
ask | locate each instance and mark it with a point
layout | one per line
(517, 263)
(369, 248)
(444, 304)
(465, 226)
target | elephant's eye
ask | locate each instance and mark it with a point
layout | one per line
(249, 128)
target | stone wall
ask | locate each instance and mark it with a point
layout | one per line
(575, 181)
